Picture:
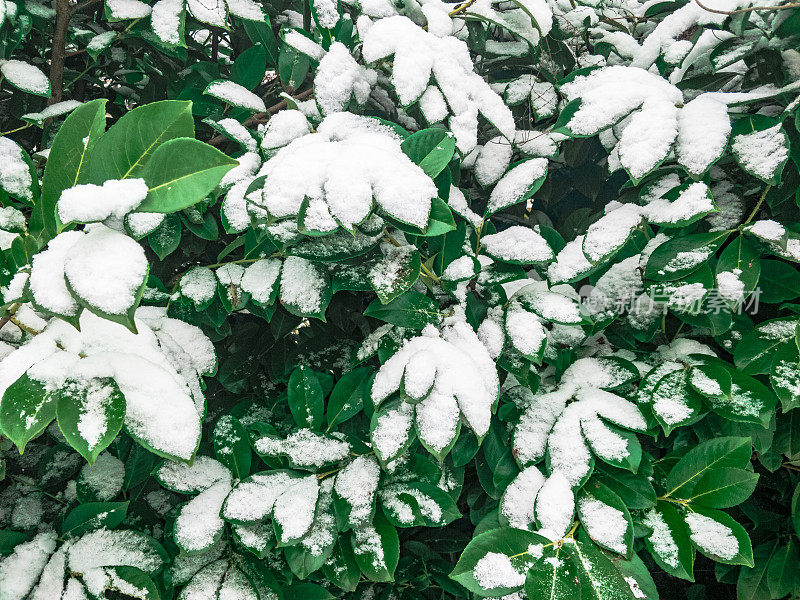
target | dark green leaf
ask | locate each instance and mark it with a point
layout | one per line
(93, 515)
(306, 400)
(232, 446)
(25, 410)
(413, 310)
(73, 146)
(431, 149)
(180, 173)
(90, 414)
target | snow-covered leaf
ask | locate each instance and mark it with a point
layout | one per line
(761, 146)
(25, 77)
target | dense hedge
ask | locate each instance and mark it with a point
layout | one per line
(399, 300)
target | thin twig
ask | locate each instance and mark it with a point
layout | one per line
(11, 310)
(744, 10)
(85, 4)
(758, 205)
(262, 116)
(461, 8)
(17, 129)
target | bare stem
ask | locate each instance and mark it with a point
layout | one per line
(263, 116)
(744, 10)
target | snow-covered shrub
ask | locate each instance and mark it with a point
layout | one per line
(399, 300)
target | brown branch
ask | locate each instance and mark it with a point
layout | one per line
(307, 15)
(214, 45)
(744, 10)
(85, 4)
(262, 117)
(63, 15)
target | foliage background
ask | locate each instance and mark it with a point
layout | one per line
(279, 368)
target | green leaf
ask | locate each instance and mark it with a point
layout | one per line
(348, 395)
(674, 388)
(637, 576)
(670, 545)
(681, 256)
(135, 579)
(440, 220)
(712, 454)
(292, 67)
(753, 584)
(724, 487)
(712, 380)
(138, 465)
(395, 273)
(167, 237)
(431, 149)
(555, 578)
(600, 580)
(740, 258)
(125, 318)
(261, 32)
(707, 544)
(307, 591)
(90, 414)
(595, 523)
(25, 410)
(750, 401)
(306, 400)
(629, 461)
(249, 67)
(125, 148)
(93, 515)
(732, 394)
(796, 509)
(413, 310)
(206, 229)
(72, 147)
(783, 572)
(9, 540)
(756, 350)
(367, 559)
(23, 250)
(780, 282)
(565, 116)
(768, 155)
(419, 498)
(514, 543)
(302, 560)
(784, 376)
(387, 415)
(305, 288)
(635, 489)
(342, 569)
(180, 173)
(232, 446)
(25, 77)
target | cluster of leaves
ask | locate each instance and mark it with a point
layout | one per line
(399, 300)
